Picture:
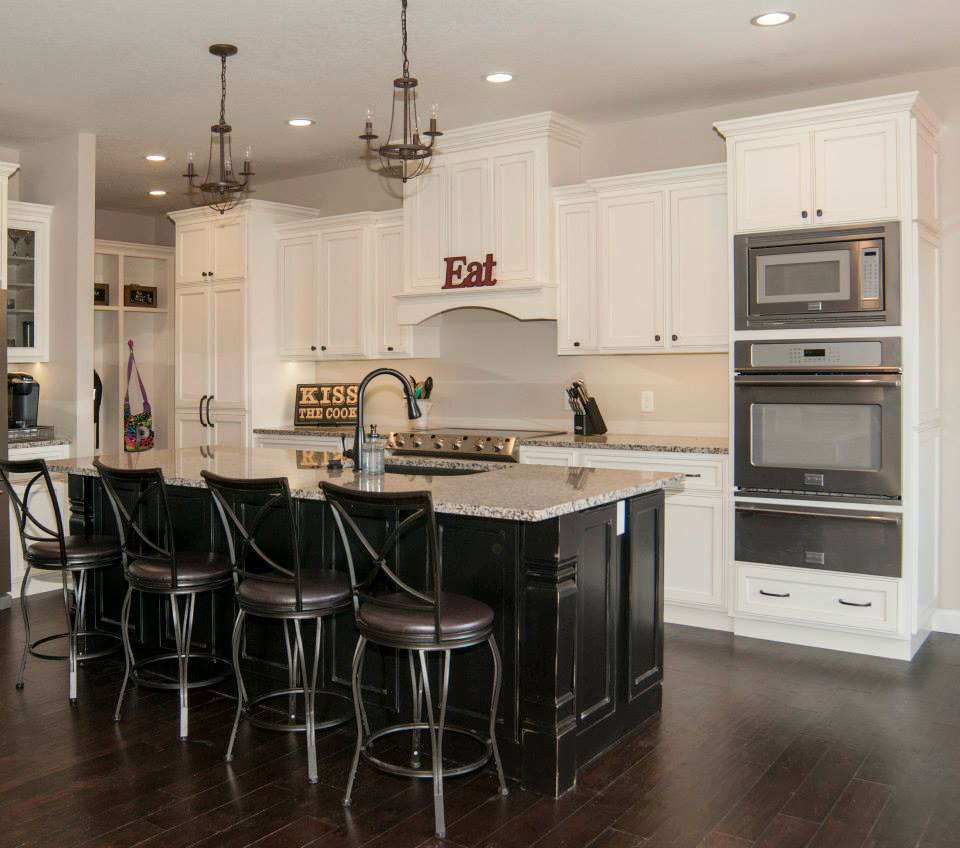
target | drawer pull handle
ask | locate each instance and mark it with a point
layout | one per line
(852, 604)
(693, 475)
(775, 594)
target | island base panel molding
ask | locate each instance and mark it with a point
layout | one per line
(557, 587)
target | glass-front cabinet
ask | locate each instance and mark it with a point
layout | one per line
(27, 291)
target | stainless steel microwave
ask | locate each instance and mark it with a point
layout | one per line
(823, 278)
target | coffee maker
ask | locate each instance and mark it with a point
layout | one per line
(23, 400)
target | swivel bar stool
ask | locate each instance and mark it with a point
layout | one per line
(421, 622)
(48, 549)
(152, 565)
(261, 526)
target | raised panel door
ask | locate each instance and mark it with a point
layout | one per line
(773, 182)
(344, 295)
(299, 333)
(228, 429)
(470, 209)
(229, 249)
(425, 217)
(699, 307)
(192, 356)
(694, 549)
(193, 252)
(391, 337)
(857, 173)
(577, 277)
(514, 214)
(189, 431)
(644, 603)
(228, 331)
(631, 273)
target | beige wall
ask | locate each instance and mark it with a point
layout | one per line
(335, 192)
(62, 173)
(132, 227)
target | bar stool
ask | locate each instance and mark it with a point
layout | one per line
(262, 532)
(152, 565)
(432, 621)
(48, 549)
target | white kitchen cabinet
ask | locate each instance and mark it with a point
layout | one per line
(229, 245)
(471, 218)
(642, 263)
(631, 273)
(226, 352)
(392, 339)
(28, 282)
(211, 250)
(7, 170)
(834, 172)
(228, 428)
(192, 344)
(298, 314)
(193, 251)
(343, 294)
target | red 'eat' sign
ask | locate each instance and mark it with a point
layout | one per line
(477, 273)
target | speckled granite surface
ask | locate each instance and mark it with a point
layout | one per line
(509, 491)
(347, 430)
(614, 441)
(40, 443)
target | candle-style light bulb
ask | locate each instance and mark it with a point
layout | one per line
(248, 153)
(190, 158)
(433, 111)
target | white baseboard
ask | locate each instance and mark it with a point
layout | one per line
(947, 621)
(695, 617)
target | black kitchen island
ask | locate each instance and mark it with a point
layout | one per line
(570, 560)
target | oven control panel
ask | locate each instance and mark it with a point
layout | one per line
(835, 354)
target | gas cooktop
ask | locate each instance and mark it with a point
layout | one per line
(495, 445)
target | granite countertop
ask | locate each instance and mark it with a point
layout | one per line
(290, 430)
(614, 441)
(509, 491)
(40, 443)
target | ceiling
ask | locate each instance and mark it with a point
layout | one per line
(139, 76)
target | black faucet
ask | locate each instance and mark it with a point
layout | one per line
(413, 411)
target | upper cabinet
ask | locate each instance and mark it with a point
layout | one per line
(212, 249)
(839, 164)
(642, 263)
(27, 281)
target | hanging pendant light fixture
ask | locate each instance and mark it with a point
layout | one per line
(223, 188)
(403, 156)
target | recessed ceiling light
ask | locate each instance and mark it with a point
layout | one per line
(157, 192)
(155, 157)
(300, 122)
(499, 76)
(769, 19)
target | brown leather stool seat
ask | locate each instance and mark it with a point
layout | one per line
(194, 570)
(320, 590)
(397, 615)
(89, 551)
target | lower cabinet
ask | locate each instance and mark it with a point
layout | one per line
(227, 428)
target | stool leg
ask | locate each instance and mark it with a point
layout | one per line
(308, 698)
(79, 607)
(127, 649)
(292, 673)
(71, 640)
(436, 737)
(355, 686)
(363, 709)
(25, 612)
(241, 691)
(494, 703)
(417, 711)
(182, 631)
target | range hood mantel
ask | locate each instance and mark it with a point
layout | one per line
(528, 303)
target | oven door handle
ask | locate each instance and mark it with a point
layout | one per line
(807, 513)
(891, 380)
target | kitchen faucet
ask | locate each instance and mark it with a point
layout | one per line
(413, 411)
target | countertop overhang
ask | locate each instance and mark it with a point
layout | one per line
(506, 491)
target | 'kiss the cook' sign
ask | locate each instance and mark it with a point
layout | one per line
(326, 404)
(468, 275)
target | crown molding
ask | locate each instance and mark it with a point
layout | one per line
(242, 208)
(539, 125)
(8, 169)
(672, 176)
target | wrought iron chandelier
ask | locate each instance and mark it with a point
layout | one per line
(403, 157)
(223, 188)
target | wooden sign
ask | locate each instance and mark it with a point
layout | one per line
(468, 275)
(101, 294)
(140, 296)
(326, 404)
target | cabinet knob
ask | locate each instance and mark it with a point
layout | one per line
(576, 344)
(323, 347)
(656, 338)
(209, 273)
(819, 213)
(390, 349)
(674, 337)
(203, 273)
(313, 347)
(804, 214)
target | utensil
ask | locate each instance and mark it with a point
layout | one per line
(427, 388)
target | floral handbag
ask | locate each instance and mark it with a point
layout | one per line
(138, 432)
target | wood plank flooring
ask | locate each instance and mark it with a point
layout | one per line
(759, 746)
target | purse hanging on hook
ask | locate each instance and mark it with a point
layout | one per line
(138, 432)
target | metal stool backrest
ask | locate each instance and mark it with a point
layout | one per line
(29, 526)
(403, 511)
(145, 528)
(250, 511)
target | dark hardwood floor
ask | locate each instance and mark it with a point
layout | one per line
(759, 745)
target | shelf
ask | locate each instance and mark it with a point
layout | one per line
(20, 311)
(18, 259)
(145, 309)
(99, 307)
(20, 285)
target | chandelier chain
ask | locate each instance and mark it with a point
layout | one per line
(223, 89)
(403, 27)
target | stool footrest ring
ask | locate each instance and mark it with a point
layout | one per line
(427, 774)
(291, 726)
(81, 655)
(159, 680)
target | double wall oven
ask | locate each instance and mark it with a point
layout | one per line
(818, 422)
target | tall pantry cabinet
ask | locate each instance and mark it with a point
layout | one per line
(228, 376)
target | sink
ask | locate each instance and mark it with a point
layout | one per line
(433, 470)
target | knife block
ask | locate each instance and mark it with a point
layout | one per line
(591, 423)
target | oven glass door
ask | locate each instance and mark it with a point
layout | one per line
(819, 434)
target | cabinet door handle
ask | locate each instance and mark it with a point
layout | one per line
(209, 273)
(323, 347)
(209, 421)
(775, 594)
(674, 337)
(804, 214)
(203, 273)
(390, 348)
(200, 411)
(819, 213)
(313, 347)
(656, 338)
(853, 604)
